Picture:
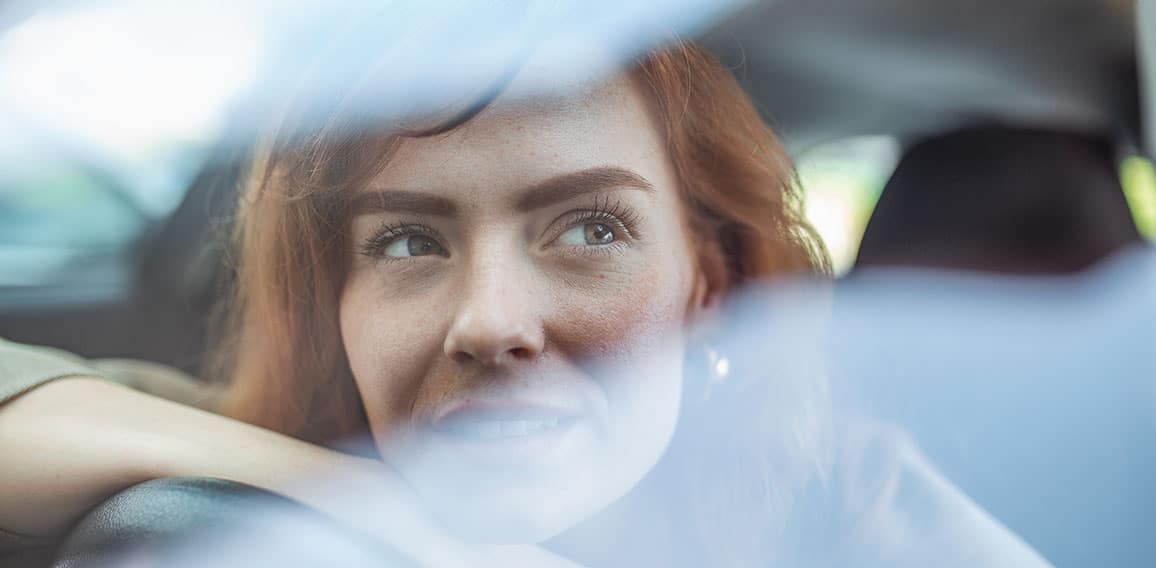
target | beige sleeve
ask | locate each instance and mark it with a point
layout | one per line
(24, 367)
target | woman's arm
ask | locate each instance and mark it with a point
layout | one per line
(72, 443)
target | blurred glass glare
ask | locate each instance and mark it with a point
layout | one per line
(111, 107)
(109, 110)
(842, 181)
(120, 81)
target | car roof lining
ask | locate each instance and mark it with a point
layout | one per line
(826, 69)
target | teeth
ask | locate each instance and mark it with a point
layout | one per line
(493, 429)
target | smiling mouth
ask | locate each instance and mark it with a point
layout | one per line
(504, 421)
(500, 433)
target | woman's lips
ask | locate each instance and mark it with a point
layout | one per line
(505, 433)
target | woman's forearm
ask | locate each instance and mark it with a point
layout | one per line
(72, 443)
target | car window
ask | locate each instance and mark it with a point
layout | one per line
(1138, 177)
(842, 181)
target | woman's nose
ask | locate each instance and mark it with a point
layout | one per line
(495, 323)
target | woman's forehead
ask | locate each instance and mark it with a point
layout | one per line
(528, 94)
(584, 105)
(522, 139)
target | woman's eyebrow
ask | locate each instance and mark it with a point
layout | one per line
(398, 201)
(542, 194)
(568, 186)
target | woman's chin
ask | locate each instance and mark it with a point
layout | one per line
(511, 492)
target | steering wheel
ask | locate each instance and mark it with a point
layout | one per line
(197, 521)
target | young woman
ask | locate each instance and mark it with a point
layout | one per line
(500, 303)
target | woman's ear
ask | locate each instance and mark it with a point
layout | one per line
(703, 296)
(710, 282)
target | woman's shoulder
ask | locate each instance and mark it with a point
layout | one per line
(24, 367)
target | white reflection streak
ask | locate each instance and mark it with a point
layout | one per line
(126, 76)
(143, 86)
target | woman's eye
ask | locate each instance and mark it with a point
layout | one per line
(589, 234)
(413, 245)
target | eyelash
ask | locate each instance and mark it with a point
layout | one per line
(611, 212)
(617, 212)
(374, 246)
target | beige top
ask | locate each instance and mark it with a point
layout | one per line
(25, 367)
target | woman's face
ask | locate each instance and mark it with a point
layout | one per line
(503, 277)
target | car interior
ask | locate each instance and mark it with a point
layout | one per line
(819, 72)
(1011, 121)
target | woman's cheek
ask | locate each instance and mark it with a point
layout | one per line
(617, 315)
(627, 335)
(383, 342)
